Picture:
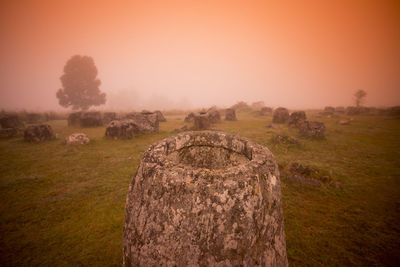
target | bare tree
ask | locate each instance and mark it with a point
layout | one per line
(359, 97)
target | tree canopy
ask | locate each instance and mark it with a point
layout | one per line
(359, 97)
(80, 85)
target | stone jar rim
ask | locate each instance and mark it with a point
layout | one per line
(257, 155)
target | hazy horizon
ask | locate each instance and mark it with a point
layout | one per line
(193, 54)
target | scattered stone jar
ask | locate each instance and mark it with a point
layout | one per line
(205, 198)
(312, 129)
(11, 121)
(202, 121)
(38, 133)
(265, 111)
(77, 138)
(122, 129)
(297, 118)
(281, 115)
(189, 117)
(230, 114)
(74, 119)
(91, 119)
(146, 121)
(160, 116)
(329, 110)
(214, 116)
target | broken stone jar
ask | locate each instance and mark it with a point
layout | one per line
(205, 198)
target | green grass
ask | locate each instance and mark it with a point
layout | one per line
(64, 205)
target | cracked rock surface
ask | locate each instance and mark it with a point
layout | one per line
(205, 198)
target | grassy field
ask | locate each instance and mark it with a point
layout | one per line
(64, 205)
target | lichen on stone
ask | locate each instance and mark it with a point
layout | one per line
(205, 198)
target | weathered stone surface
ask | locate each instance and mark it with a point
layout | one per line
(189, 117)
(11, 121)
(300, 169)
(230, 114)
(265, 111)
(109, 116)
(38, 133)
(312, 129)
(205, 199)
(205, 117)
(74, 119)
(182, 129)
(297, 118)
(146, 112)
(202, 121)
(284, 139)
(122, 129)
(91, 119)
(307, 175)
(213, 115)
(160, 116)
(281, 115)
(301, 174)
(146, 122)
(8, 132)
(77, 138)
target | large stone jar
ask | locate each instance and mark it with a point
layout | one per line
(205, 198)
(281, 115)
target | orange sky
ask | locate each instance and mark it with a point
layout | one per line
(298, 54)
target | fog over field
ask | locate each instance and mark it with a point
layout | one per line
(199, 133)
(190, 54)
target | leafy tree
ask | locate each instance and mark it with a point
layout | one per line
(359, 97)
(80, 86)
